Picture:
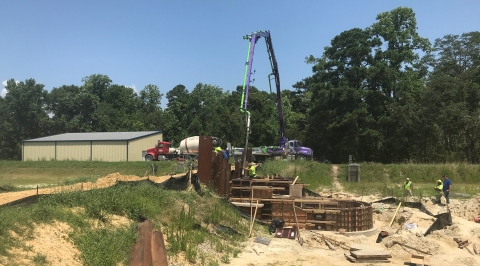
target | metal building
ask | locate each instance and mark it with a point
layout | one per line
(92, 146)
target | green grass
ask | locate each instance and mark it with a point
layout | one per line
(40, 260)
(310, 172)
(48, 173)
(178, 214)
(387, 180)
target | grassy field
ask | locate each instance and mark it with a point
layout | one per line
(387, 180)
(49, 173)
(317, 175)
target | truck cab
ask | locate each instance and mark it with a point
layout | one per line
(302, 153)
(161, 151)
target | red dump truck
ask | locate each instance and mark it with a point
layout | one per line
(188, 148)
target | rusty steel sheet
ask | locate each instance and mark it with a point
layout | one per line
(205, 159)
(141, 254)
(159, 253)
(228, 177)
(222, 176)
(149, 247)
(238, 169)
(217, 173)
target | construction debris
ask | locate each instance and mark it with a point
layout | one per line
(286, 232)
(262, 240)
(331, 242)
(366, 254)
(476, 248)
(419, 260)
(461, 243)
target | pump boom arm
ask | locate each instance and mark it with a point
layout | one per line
(253, 38)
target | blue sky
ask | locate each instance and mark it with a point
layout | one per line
(167, 43)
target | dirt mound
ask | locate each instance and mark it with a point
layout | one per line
(468, 209)
(51, 242)
(406, 244)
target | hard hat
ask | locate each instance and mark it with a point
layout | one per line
(228, 149)
(439, 181)
(251, 164)
(408, 179)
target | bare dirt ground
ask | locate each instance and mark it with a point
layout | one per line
(52, 240)
(439, 246)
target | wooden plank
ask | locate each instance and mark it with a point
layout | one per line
(321, 222)
(313, 201)
(330, 246)
(369, 254)
(371, 261)
(259, 188)
(419, 259)
(350, 258)
(321, 211)
(246, 204)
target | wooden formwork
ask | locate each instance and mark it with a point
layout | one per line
(318, 213)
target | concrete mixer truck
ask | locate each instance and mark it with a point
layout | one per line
(188, 147)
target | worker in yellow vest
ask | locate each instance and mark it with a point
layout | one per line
(218, 149)
(408, 186)
(439, 189)
(251, 170)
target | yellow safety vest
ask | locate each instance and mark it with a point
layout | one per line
(439, 187)
(408, 185)
(252, 171)
(218, 149)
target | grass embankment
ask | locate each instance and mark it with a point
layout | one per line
(18, 175)
(387, 179)
(182, 216)
(317, 175)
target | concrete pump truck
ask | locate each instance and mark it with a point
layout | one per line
(285, 148)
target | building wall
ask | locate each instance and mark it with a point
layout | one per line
(135, 147)
(109, 151)
(73, 150)
(35, 151)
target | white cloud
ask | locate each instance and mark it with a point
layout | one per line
(4, 91)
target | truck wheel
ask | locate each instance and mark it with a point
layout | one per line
(301, 157)
(148, 157)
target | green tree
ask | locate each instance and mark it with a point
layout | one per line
(63, 107)
(176, 116)
(398, 76)
(454, 94)
(365, 91)
(150, 111)
(7, 136)
(27, 118)
(97, 84)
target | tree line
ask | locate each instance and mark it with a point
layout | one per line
(382, 94)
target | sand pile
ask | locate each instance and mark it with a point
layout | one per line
(51, 241)
(405, 244)
(468, 209)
